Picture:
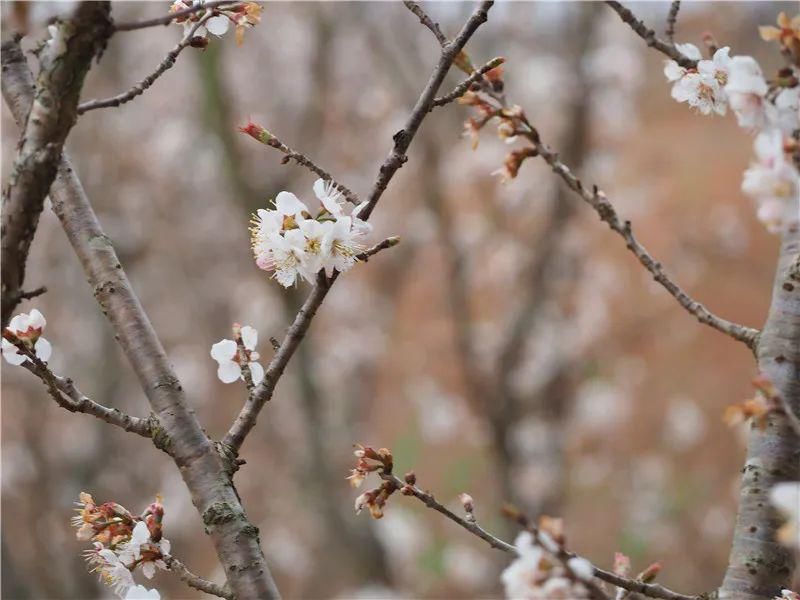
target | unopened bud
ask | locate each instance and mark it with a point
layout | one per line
(467, 502)
(410, 478)
(650, 573)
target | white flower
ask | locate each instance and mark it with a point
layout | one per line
(316, 251)
(226, 353)
(217, 25)
(784, 113)
(139, 592)
(287, 255)
(773, 182)
(342, 242)
(131, 550)
(746, 89)
(330, 197)
(785, 497)
(56, 42)
(523, 577)
(581, 567)
(110, 568)
(286, 203)
(702, 87)
(27, 328)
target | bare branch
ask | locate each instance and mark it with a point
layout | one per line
(649, 36)
(672, 19)
(169, 18)
(205, 472)
(139, 88)
(462, 87)
(269, 139)
(195, 581)
(387, 243)
(246, 419)
(65, 60)
(415, 8)
(607, 213)
(67, 396)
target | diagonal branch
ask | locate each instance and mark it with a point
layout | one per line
(246, 419)
(608, 214)
(649, 36)
(65, 60)
(205, 472)
(67, 396)
(672, 19)
(139, 88)
(462, 87)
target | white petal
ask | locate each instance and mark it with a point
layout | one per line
(223, 351)
(12, 355)
(249, 337)
(689, 51)
(43, 349)
(165, 546)
(19, 323)
(319, 188)
(218, 25)
(256, 372)
(287, 203)
(36, 320)
(672, 70)
(148, 569)
(229, 371)
(582, 568)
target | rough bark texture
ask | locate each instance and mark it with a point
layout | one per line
(208, 474)
(49, 120)
(759, 567)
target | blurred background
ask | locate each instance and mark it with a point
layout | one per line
(509, 346)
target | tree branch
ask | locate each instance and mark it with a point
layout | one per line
(67, 396)
(139, 88)
(65, 60)
(649, 36)
(246, 419)
(195, 581)
(415, 8)
(169, 18)
(672, 19)
(608, 214)
(462, 87)
(206, 473)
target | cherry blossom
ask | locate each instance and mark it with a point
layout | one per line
(110, 568)
(702, 87)
(226, 353)
(28, 329)
(746, 90)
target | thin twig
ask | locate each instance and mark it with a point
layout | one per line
(34, 293)
(387, 243)
(649, 36)
(672, 19)
(428, 500)
(139, 88)
(167, 19)
(246, 419)
(415, 8)
(301, 159)
(607, 213)
(462, 87)
(69, 397)
(195, 581)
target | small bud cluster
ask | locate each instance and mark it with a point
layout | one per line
(121, 542)
(756, 408)
(231, 355)
(242, 15)
(370, 460)
(26, 329)
(769, 108)
(289, 242)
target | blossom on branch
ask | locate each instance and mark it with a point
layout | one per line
(26, 328)
(291, 243)
(701, 87)
(243, 16)
(230, 356)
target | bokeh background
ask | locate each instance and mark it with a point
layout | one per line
(606, 398)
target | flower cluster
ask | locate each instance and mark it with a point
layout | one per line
(26, 328)
(242, 15)
(536, 573)
(375, 499)
(232, 354)
(288, 242)
(121, 542)
(769, 109)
